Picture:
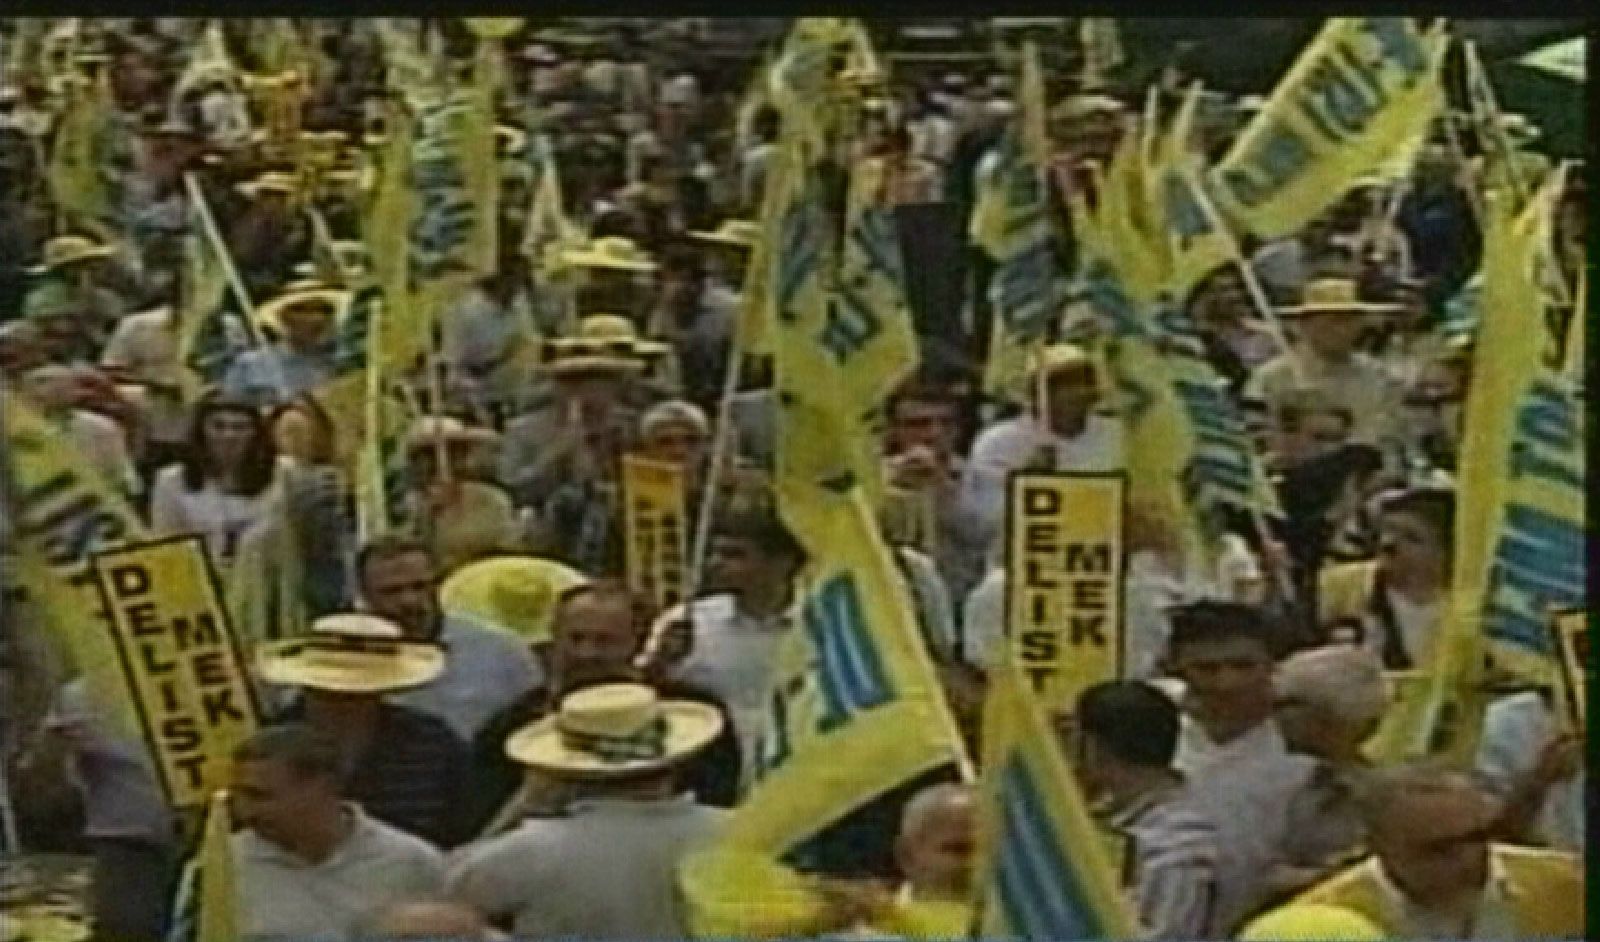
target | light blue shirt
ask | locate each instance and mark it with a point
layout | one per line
(274, 375)
(1515, 729)
(486, 670)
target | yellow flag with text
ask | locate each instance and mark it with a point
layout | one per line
(1355, 96)
(1043, 871)
(655, 531)
(62, 512)
(1199, 241)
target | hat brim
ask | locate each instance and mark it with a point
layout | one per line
(1342, 307)
(77, 258)
(469, 436)
(271, 313)
(691, 727)
(608, 262)
(292, 663)
(571, 366)
(722, 238)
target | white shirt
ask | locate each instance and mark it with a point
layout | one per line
(281, 896)
(1416, 623)
(732, 657)
(1198, 752)
(1515, 729)
(146, 346)
(223, 519)
(102, 442)
(486, 669)
(1010, 444)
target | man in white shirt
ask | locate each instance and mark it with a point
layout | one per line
(1536, 767)
(1061, 431)
(307, 864)
(100, 440)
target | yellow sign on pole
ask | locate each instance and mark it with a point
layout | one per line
(1064, 581)
(654, 530)
(1572, 650)
(183, 662)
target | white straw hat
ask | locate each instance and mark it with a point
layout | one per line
(351, 653)
(615, 729)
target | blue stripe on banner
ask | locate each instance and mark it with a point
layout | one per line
(1053, 904)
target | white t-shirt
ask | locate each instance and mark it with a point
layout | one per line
(223, 519)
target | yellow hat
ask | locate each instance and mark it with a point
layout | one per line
(1336, 296)
(70, 250)
(615, 729)
(1059, 357)
(741, 233)
(604, 343)
(351, 653)
(610, 252)
(1312, 922)
(302, 293)
(518, 593)
(272, 181)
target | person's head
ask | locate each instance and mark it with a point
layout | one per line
(1308, 426)
(596, 633)
(926, 416)
(751, 551)
(1416, 531)
(286, 784)
(306, 325)
(1223, 653)
(229, 441)
(1430, 829)
(424, 919)
(1071, 387)
(675, 431)
(1220, 301)
(937, 839)
(52, 387)
(1126, 729)
(1329, 700)
(1332, 334)
(303, 431)
(398, 581)
(21, 348)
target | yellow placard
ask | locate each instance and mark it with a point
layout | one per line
(1064, 580)
(183, 662)
(1572, 649)
(654, 530)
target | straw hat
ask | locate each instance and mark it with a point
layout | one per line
(351, 653)
(63, 251)
(300, 294)
(610, 252)
(615, 729)
(1057, 358)
(1082, 106)
(270, 182)
(424, 431)
(740, 233)
(512, 140)
(1336, 296)
(518, 593)
(352, 255)
(604, 343)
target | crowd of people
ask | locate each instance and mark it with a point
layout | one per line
(478, 727)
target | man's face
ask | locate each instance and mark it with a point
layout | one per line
(928, 423)
(20, 351)
(1334, 334)
(1435, 844)
(937, 858)
(306, 325)
(1072, 394)
(595, 638)
(270, 799)
(1314, 434)
(1229, 680)
(738, 565)
(677, 442)
(1406, 543)
(403, 589)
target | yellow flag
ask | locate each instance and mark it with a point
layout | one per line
(206, 345)
(1355, 96)
(76, 158)
(218, 917)
(1042, 871)
(387, 233)
(547, 230)
(62, 513)
(1198, 239)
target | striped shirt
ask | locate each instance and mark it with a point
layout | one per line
(1174, 854)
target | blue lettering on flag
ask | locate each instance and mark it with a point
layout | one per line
(1039, 892)
(1398, 44)
(850, 676)
(1541, 557)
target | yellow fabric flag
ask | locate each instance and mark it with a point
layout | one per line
(1042, 870)
(206, 345)
(1355, 96)
(1520, 521)
(1199, 241)
(77, 156)
(63, 512)
(758, 294)
(547, 230)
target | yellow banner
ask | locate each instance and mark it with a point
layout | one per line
(189, 676)
(1044, 868)
(1572, 648)
(61, 511)
(1064, 567)
(1353, 99)
(654, 530)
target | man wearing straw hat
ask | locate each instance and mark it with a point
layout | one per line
(1329, 322)
(309, 862)
(68, 281)
(403, 766)
(607, 868)
(299, 362)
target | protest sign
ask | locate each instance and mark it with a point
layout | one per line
(654, 532)
(183, 662)
(1064, 580)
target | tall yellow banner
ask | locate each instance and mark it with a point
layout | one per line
(654, 531)
(183, 661)
(1354, 98)
(1064, 567)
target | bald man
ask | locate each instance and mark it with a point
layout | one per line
(935, 847)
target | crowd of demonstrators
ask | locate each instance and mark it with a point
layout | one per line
(477, 727)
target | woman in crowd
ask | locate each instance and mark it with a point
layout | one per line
(225, 482)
